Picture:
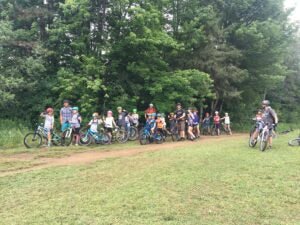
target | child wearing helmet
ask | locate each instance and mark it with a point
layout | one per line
(226, 119)
(134, 118)
(160, 124)
(95, 122)
(206, 122)
(109, 123)
(48, 124)
(75, 123)
(217, 121)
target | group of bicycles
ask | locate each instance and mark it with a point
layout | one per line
(38, 137)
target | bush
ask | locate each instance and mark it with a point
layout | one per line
(12, 133)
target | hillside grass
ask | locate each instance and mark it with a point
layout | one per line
(212, 182)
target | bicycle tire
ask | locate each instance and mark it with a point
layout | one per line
(133, 134)
(294, 142)
(159, 139)
(251, 143)
(67, 137)
(122, 136)
(36, 137)
(85, 139)
(264, 141)
(144, 139)
(105, 139)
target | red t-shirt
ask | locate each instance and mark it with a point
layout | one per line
(216, 119)
(150, 110)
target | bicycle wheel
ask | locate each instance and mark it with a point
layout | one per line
(56, 140)
(121, 136)
(159, 139)
(144, 139)
(133, 133)
(294, 142)
(264, 141)
(85, 139)
(68, 137)
(252, 142)
(105, 139)
(33, 140)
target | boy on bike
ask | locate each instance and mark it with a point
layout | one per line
(48, 124)
(217, 121)
(75, 123)
(270, 118)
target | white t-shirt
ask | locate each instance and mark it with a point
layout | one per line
(49, 122)
(94, 125)
(227, 120)
(109, 122)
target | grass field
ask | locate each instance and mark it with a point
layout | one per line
(215, 181)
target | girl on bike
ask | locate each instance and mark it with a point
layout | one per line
(48, 124)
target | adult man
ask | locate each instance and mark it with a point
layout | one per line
(65, 117)
(270, 118)
(180, 117)
(150, 110)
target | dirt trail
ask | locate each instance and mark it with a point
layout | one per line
(92, 156)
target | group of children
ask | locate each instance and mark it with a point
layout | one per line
(217, 119)
(156, 122)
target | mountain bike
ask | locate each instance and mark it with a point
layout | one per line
(35, 139)
(174, 132)
(295, 142)
(133, 133)
(87, 137)
(119, 135)
(263, 137)
(146, 137)
(67, 135)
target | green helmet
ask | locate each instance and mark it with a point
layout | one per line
(75, 108)
(119, 108)
(134, 110)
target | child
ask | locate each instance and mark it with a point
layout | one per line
(151, 123)
(172, 122)
(206, 122)
(95, 122)
(160, 124)
(226, 119)
(190, 121)
(217, 122)
(49, 124)
(109, 123)
(196, 123)
(75, 123)
(134, 118)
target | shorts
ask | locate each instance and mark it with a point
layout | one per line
(65, 126)
(109, 130)
(195, 125)
(217, 125)
(47, 130)
(76, 130)
(181, 125)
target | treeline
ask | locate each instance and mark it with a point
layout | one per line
(218, 54)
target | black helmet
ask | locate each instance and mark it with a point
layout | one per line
(265, 102)
(66, 101)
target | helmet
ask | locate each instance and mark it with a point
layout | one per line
(216, 112)
(66, 101)
(226, 114)
(75, 108)
(95, 114)
(265, 102)
(119, 108)
(151, 104)
(171, 113)
(49, 110)
(134, 110)
(109, 112)
(158, 115)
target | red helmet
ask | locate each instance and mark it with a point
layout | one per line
(49, 110)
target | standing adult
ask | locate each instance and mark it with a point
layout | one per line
(180, 117)
(150, 110)
(269, 117)
(65, 117)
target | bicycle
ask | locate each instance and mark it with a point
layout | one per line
(146, 137)
(295, 142)
(133, 133)
(87, 137)
(263, 137)
(119, 135)
(35, 139)
(67, 135)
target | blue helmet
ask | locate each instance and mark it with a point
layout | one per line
(75, 108)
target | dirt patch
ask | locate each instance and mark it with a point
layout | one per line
(92, 156)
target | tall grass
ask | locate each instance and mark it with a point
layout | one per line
(12, 133)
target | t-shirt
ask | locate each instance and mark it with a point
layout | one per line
(123, 119)
(196, 119)
(150, 110)
(216, 119)
(109, 122)
(94, 125)
(66, 113)
(49, 122)
(159, 123)
(269, 115)
(135, 118)
(227, 120)
(179, 113)
(190, 119)
(206, 121)
(75, 120)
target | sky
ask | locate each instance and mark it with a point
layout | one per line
(294, 3)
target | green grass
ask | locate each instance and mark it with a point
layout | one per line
(206, 183)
